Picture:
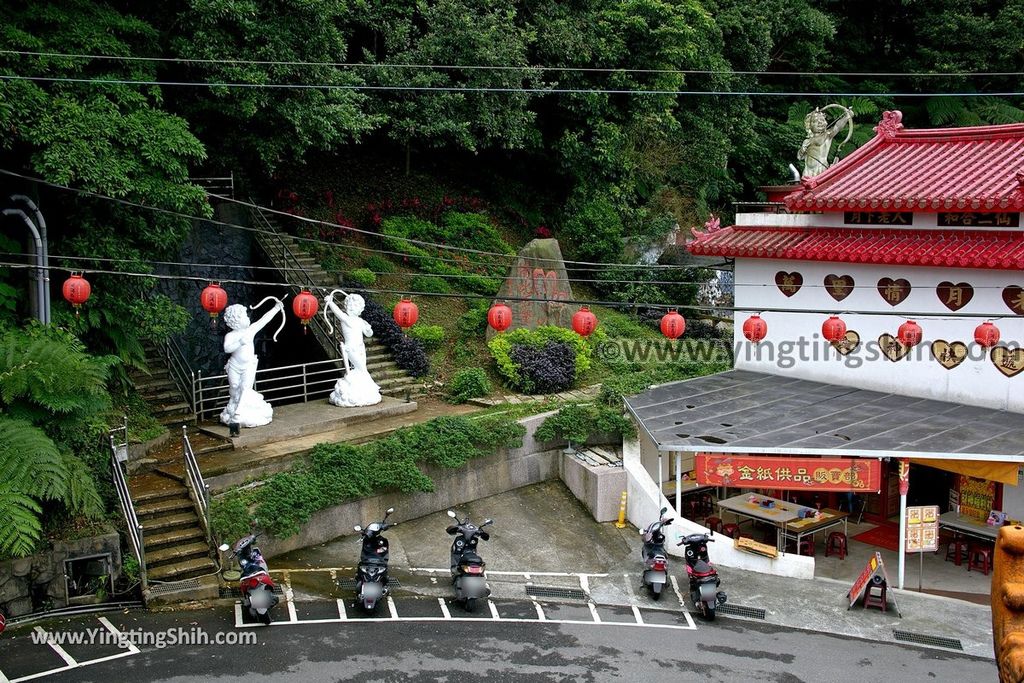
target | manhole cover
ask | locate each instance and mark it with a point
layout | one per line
(921, 639)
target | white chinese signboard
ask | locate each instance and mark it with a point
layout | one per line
(922, 528)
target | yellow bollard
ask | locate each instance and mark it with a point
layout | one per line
(621, 524)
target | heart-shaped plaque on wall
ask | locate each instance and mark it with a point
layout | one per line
(788, 283)
(894, 292)
(849, 342)
(839, 286)
(892, 348)
(1008, 361)
(954, 296)
(949, 354)
(1013, 297)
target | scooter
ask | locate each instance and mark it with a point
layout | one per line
(655, 559)
(468, 576)
(704, 580)
(255, 583)
(372, 573)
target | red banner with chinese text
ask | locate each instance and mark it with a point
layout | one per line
(790, 473)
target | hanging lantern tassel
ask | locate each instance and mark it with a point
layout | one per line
(584, 322)
(213, 300)
(305, 306)
(833, 329)
(673, 325)
(499, 317)
(76, 291)
(986, 334)
(909, 334)
(755, 329)
(406, 314)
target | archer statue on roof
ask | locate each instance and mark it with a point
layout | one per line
(816, 146)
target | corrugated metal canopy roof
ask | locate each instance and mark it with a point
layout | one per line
(748, 412)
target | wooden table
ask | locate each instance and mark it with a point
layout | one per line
(785, 517)
(969, 526)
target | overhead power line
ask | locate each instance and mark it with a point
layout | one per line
(500, 90)
(515, 67)
(917, 315)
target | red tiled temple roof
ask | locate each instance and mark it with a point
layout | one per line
(937, 169)
(931, 247)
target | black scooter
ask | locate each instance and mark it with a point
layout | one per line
(655, 558)
(372, 573)
(704, 580)
(468, 576)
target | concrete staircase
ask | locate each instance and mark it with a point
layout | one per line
(289, 255)
(158, 389)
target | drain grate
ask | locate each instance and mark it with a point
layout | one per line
(350, 584)
(741, 611)
(552, 592)
(921, 639)
(234, 592)
(172, 586)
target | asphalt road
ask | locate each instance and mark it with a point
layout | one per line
(662, 648)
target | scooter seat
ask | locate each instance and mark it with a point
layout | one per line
(469, 557)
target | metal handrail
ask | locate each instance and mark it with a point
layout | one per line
(136, 541)
(184, 377)
(199, 490)
(217, 183)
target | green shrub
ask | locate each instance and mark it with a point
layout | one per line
(468, 383)
(577, 422)
(363, 276)
(229, 516)
(429, 284)
(594, 227)
(474, 321)
(431, 336)
(501, 347)
(380, 264)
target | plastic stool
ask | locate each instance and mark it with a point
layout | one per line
(836, 543)
(714, 523)
(693, 509)
(806, 548)
(707, 505)
(732, 530)
(957, 550)
(876, 596)
(980, 557)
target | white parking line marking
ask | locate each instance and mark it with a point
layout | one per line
(629, 587)
(334, 576)
(342, 614)
(444, 608)
(540, 612)
(239, 621)
(3, 679)
(593, 612)
(585, 583)
(392, 609)
(289, 597)
(494, 611)
(679, 595)
(389, 620)
(117, 634)
(68, 659)
(636, 613)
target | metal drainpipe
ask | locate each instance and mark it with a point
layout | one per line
(41, 223)
(40, 296)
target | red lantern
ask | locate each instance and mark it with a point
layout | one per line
(673, 325)
(909, 333)
(584, 322)
(755, 329)
(213, 299)
(499, 317)
(305, 306)
(77, 290)
(406, 313)
(833, 329)
(986, 334)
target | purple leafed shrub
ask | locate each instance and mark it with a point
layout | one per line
(546, 369)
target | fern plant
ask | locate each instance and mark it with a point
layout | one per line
(53, 396)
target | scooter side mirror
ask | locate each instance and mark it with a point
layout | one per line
(451, 513)
(663, 511)
(224, 547)
(487, 522)
(389, 511)
(357, 527)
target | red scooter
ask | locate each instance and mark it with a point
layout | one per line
(255, 583)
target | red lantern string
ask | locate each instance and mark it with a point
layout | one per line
(909, 333)
(499, 317)
(673, 325)
(406, 313)
(584, 322)
(305, 306)
(755, 329)
(76, 291)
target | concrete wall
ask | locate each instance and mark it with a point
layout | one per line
(534, 462)
(43, 573)
(598, 488)
(794, 346)
(645, 502)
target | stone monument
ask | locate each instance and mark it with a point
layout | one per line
(356, 387)
(246, 407)
(538, 275)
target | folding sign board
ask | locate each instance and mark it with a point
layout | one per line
(874, 573)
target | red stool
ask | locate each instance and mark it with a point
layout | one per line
(980, 557)
(806, 548)
(732, 530)
(714, 523)
(707, 505)
(693, 509)
(876, 596)
(836, 544)
(957, 550)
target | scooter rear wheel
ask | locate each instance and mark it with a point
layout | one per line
(654, 591)
(264, 618)
(470, 604)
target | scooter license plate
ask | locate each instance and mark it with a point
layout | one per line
(371, 591)
(473, 586)
(260, 599)
(708, 593)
